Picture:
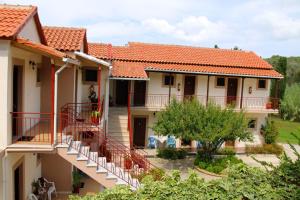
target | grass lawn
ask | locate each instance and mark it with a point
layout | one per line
(285, 128)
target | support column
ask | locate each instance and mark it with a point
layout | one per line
(207, 89)
(52, 102)
(129, 114)
(242, 93)
(169, 88)
(99, 90)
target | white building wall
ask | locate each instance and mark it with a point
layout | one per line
(32, 171)
(5, 93)
(30, 32)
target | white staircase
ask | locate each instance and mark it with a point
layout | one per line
(118, 124)
(97, 167)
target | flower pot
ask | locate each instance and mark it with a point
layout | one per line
(269, 105)
(128, 163)
(95, 120)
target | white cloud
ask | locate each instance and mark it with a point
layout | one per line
(281, 26)
(192, 28)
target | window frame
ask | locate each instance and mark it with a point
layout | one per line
(216, 82)
(174, 80)
(255, 123)
(84, 76)
(266, 84)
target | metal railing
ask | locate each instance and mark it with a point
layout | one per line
(131, 162)
(162, 100)
(31, 127)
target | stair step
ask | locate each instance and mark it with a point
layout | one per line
(111, 176)
(72, 152)
(121, 182)
(101, 170)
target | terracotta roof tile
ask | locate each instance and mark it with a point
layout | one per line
(65, 38)
(13, 18)
(137, 70)
(183, 59)
(40, 47)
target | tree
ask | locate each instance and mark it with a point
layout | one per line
(290, 105)
(216, 46)
(236, 48)
(210, 125)
(281, 67)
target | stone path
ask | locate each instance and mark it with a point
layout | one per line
(290, 152)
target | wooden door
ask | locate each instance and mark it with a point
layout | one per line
(18, 183)
(189, 86)
(121, 92)
(139, 131)
(139, 93)
(232, 91)
(17, 97)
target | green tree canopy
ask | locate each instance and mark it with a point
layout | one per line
(211, 125)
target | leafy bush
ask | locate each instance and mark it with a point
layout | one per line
(217, 165)
(226, 151)
(172, 153)
(156, 174)
(290, 106)
(265, 149)
(270, 132)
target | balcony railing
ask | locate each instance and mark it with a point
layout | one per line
(162, 100)
(31, 127)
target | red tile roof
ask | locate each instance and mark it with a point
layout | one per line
(45, 50)
(13, 18)
(142, 56)
(66, 38)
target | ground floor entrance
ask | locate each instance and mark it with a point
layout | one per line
(139, 131)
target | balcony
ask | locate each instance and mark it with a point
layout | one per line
(255, 104)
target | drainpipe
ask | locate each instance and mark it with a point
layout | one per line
(67, 64)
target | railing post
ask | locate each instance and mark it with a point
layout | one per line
(52, 102)
(129, 114)
(242, 93)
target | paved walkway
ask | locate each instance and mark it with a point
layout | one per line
(290, 152)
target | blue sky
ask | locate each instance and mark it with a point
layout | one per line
(268, 27)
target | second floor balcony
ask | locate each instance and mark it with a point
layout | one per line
(250, 104)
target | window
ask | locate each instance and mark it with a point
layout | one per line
(220, 82)
(252, 123)
(262, 84)
(90, 75)
(169, 80)
(38, 76)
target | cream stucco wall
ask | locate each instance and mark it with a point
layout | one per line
(30, 32)
(32, 171)
(5, 92)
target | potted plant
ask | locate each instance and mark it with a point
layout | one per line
(127, 162)
(76, 181)
(95, 116)
(35, 187)
(269, 105)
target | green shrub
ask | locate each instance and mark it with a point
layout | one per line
(217, 165)
(290, 105)
(226, 151)
(265, 149)
(270, 132)
(172, 153)
(155, 173)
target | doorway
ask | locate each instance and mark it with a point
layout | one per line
(18, 182)
(139, 93)
(189, 86)
(17, 96)
(232, 91)
(121, 92)
(139, 131)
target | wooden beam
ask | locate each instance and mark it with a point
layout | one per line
(242, 93)
(207, 89)
(170, 87)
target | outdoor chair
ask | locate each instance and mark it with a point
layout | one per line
(171, 142)
(152, 142)
(199, 145)
(48, 185)
(32, 197)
